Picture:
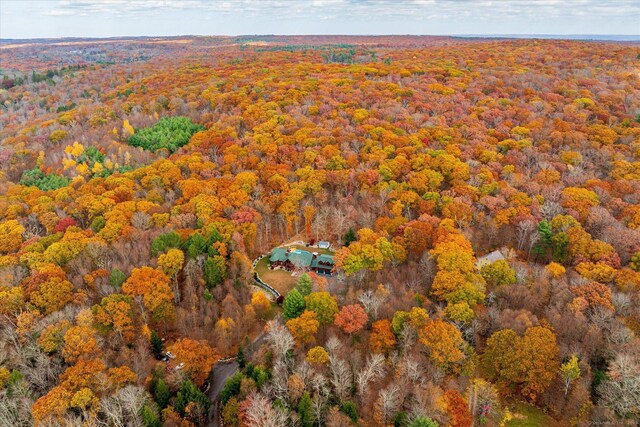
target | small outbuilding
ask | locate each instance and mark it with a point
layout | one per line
(324, 244)
(489, 258)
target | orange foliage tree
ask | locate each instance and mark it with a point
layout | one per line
(198, 358)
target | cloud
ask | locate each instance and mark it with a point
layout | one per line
(157, 17)
(356, 9)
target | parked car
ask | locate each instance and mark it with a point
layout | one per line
(170, 355)
(180, 366)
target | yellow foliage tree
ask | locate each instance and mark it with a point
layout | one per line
(444, 343)
(304, 327)
(10, 236)
(171, 262)
(317, 355)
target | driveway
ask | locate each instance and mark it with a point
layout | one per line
(220, 373)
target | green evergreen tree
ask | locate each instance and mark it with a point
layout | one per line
(305, 410)
(98, 223)
(293, 304)
(168, 133)
(190, 393)
(240, 358)
(195, 245)
(544, 242)
(401, 419)
(150, 417)
(231, 387)
(350, 409)
(349, 237)
(161, 393)
(117, 278)
(165, 241)
(304, 285)
(156, 344)
(559, 249)
(36, 178)
(215, 271)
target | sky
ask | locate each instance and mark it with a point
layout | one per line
(112, 18)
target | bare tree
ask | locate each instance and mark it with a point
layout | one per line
(388, 403)
(371, 301)
(278, 387)
(333, 345)
(621, 390)
(524, 230)
(408, 337)
(373, 370)
(124, 407)
(261, 413)
(341, 377)
(279, 338)
(549, 209)
(15, 409)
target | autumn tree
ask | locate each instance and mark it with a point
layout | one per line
(498, 273)
(595, 294)
(198, 358)
(369, 252)
(115, 312)
(10, 236)
(529, 362)
(79, 341)
(261, 304)
(351, 318)
(570, 371)
(620, 390)
(170, 263)
(317, 355)
(151, 288)
(304, 327)
(457, 409)
(324, 305)
(381, 339)
(51, 338)
(444, 343)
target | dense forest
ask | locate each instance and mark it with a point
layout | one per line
(482, 198)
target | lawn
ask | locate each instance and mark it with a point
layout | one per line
(320, 251)
(312, 250)
(525, 415)
(280, 280)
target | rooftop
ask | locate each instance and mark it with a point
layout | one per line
(327, 260)
(491, 257)
(278, 254)
(300, 258)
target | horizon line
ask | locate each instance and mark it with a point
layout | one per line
(475, 35)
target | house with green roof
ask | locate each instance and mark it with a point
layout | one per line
(322, 264)
(298, 259)
(278, 255)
